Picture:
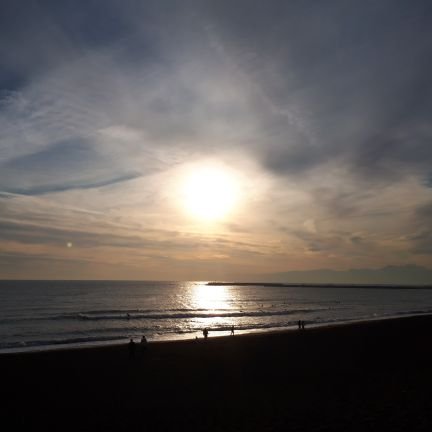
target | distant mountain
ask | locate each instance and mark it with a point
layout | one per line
(403, 275)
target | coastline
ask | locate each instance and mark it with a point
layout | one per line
(192, 337)
(373, 374)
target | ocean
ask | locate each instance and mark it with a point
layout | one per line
(37, 315)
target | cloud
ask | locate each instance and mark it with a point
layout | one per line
(351, 92)
(61, 166)
(294, 97)
(323, 107)
(422, 238)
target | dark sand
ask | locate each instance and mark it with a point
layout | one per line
(370, 376)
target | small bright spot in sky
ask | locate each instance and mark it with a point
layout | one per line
(69, 244)
(210, 193)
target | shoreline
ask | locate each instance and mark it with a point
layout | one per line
(239, 333)
(373, 375)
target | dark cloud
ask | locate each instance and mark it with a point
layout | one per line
(39, 35)
(89, 184)
(358, 72)
(428, 181)
(315, 242)
(60, 167)
(391, 157)
(342, 81)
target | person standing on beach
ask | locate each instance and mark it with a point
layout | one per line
(299, 324)
(205, 333)
(131, 347)
(303, 325)
(232, 330)
(143, 344)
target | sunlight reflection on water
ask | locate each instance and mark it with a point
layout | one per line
(47, 313)
(212, 299)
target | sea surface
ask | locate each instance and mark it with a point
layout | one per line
(38, 315)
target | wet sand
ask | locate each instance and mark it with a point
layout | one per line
(358, 377)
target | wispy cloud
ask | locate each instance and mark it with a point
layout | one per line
(324, 109)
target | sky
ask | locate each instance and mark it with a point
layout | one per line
(203, 140)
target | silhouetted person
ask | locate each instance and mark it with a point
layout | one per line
(205, 333)
(232, 330)
(303, 325)
(299, 324)
(143, 344)
(131, 347)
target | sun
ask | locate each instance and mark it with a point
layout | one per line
(210, 192)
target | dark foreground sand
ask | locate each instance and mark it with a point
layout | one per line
(371, 376)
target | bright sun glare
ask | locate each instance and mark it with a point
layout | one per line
(210, 193)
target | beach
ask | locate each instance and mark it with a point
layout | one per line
(374, 375)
